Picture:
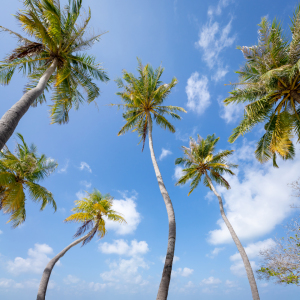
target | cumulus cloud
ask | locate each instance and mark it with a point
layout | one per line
(85, 166)
(127, 208)
(259, 197)
(126, 271)
(178, 173)
(164, 153)
(37, 259)
(197, 93)
(122, 247)
(184, 272)
(211, 281)
(64, 168)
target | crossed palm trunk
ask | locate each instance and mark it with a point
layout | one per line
(166, 275)
(47, 272)
(238, 244)
(11, 118)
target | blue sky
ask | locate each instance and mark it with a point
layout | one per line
(196, 42)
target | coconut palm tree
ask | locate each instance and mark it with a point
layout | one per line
(143, 99)
(19, 172)
(92, 211)
(270, 82)
(201, 161)
(51, 59)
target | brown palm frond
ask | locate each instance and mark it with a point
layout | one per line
(26, 51)
(82, 229)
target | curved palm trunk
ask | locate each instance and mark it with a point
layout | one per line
(11, 118)
(166, 275)
(238, 244)
(47, 272)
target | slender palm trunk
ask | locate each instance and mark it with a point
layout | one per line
(166, 275)
(11, 118)
(238, 244)
(47, 272)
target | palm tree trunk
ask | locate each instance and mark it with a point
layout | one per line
(238, 244)
(166, 275)
(47, 272)
(11, 118)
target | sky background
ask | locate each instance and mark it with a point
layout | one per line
(195, 41)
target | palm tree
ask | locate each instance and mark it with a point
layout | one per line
(201, 159)
(92, 212)
(270, 82)
(51, 61)
(142, 101)
(19, 172)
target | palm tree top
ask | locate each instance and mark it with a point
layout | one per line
(200, 159)
(24, 169)
(143, 98)
(92, 211)
(269, 82)
(54, 34)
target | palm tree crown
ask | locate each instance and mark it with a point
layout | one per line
(201, 159)
(92, 212)
(20, 172)
(143, 98)
(270, 81)
(57, 36)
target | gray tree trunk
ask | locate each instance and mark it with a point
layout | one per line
(47, 272)
(238, 244)
(11, 118)
(166, 275)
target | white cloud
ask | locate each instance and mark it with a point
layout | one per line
(259, 198)
(220, 74)
(86, 183)
(1, 231)
(238, 268)
(85, 166)
(64, 168)
(126, 271)
(35, 263)
(80, 194)
(70, 279)
(175, 259)
(197, 93)
(213, 40)
(31, 284)
(232, 112)
(178, 173)
(215, 252)
(253, 249)
(217, 10)
(185, 272)
(230, 284)
(211, 281)
(128, 210)
(164, 153)
(121, 247)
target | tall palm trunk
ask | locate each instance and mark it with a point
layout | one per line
(238, 244)
(47, 272)
(166, 275)
(11, 118)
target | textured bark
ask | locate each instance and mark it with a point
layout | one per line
(47, 272)
(11, 118)
(166, 275)
(238, 244)
(295, 96)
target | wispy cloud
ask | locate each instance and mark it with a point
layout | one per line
(64, 168)
(164, 153)
(85, 166)
(122, 247)
(232, 112)
(86, 183)
(184, 272)
(215, 252)
(197, 93)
